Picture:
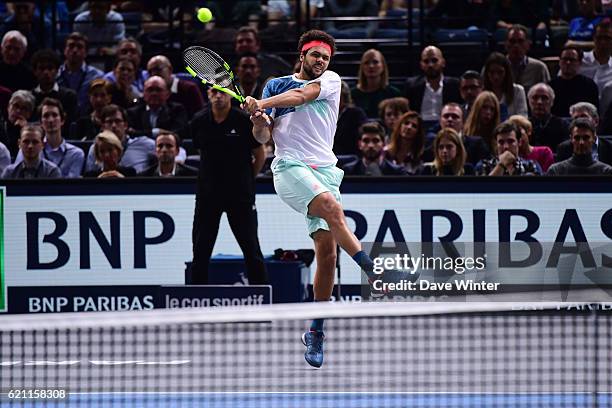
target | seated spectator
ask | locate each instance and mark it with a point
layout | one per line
(131, 49)
(407, 143)
(248, 71)
(526, 71)
(427, 93)
(181, 91)
(570, 87)
(138, 152)
(582, 27)
(102, 26)
(373, 161)
(15, 74)
(26, 19)
(452, 118)
(597, 64)
(33, 165)
(483, 119)
(123, 91)
(497, 74)
(247, 41)
(390, 110)
(75, 73)
(532, 13)
(581, 162)
(66, 156)
(5, 157)
(350, 118)
(508, 162)
(450, 156)
(470, 86)
(602, 148)
(20, 109)
(457, 14)
(372, 83)
(155, 112)
(350, 29)
(108, 150)
(88, 126)
(167, 149)
(539, 154)
(45, 64)
(548, 129)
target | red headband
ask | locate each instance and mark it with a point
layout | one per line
(311, 44)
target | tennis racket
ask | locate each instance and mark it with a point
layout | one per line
(212, 70)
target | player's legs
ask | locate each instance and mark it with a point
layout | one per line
(325, 253)
(327, 207)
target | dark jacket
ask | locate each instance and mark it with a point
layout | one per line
(182, 170)
(67, 97)
(415, 89)
(172, 116)
(604, 151)
(550, 132)
(387, 168)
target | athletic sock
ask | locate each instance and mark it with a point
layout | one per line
(365, 262)
(317, 324)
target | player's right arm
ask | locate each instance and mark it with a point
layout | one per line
(262, 131)
(287, 99)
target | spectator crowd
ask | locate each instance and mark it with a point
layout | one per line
(63, 114)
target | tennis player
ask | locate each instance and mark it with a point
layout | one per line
(304, 109)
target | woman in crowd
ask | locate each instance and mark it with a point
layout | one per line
(450, 156)
(389, 111)
(88, 126)
(124, 93)
(498, 79)
(107, 151)
(540, 154)
(372, 83)
(483, 118)
(407, 143)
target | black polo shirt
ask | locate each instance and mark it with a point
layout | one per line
(226, 169)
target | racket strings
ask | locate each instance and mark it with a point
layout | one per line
(209, 68)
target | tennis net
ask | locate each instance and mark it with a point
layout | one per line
(379, 354)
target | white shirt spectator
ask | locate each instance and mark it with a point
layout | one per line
(600, 74)
(432, 102)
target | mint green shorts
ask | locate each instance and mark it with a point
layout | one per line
(297, 184)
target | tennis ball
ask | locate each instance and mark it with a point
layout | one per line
(204, 15)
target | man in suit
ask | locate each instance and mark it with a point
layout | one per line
(548, 129)
(184, 92)
(155, 112)
(372, 146)
(427, 93)
(14, 72)
(166, 149)
(602, 148)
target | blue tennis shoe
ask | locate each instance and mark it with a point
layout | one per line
(313, 340)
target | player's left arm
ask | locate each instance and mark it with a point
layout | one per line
(288, 99)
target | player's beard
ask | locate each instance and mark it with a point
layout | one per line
(308, 70)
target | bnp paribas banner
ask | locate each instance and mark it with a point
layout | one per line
(138, 232)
